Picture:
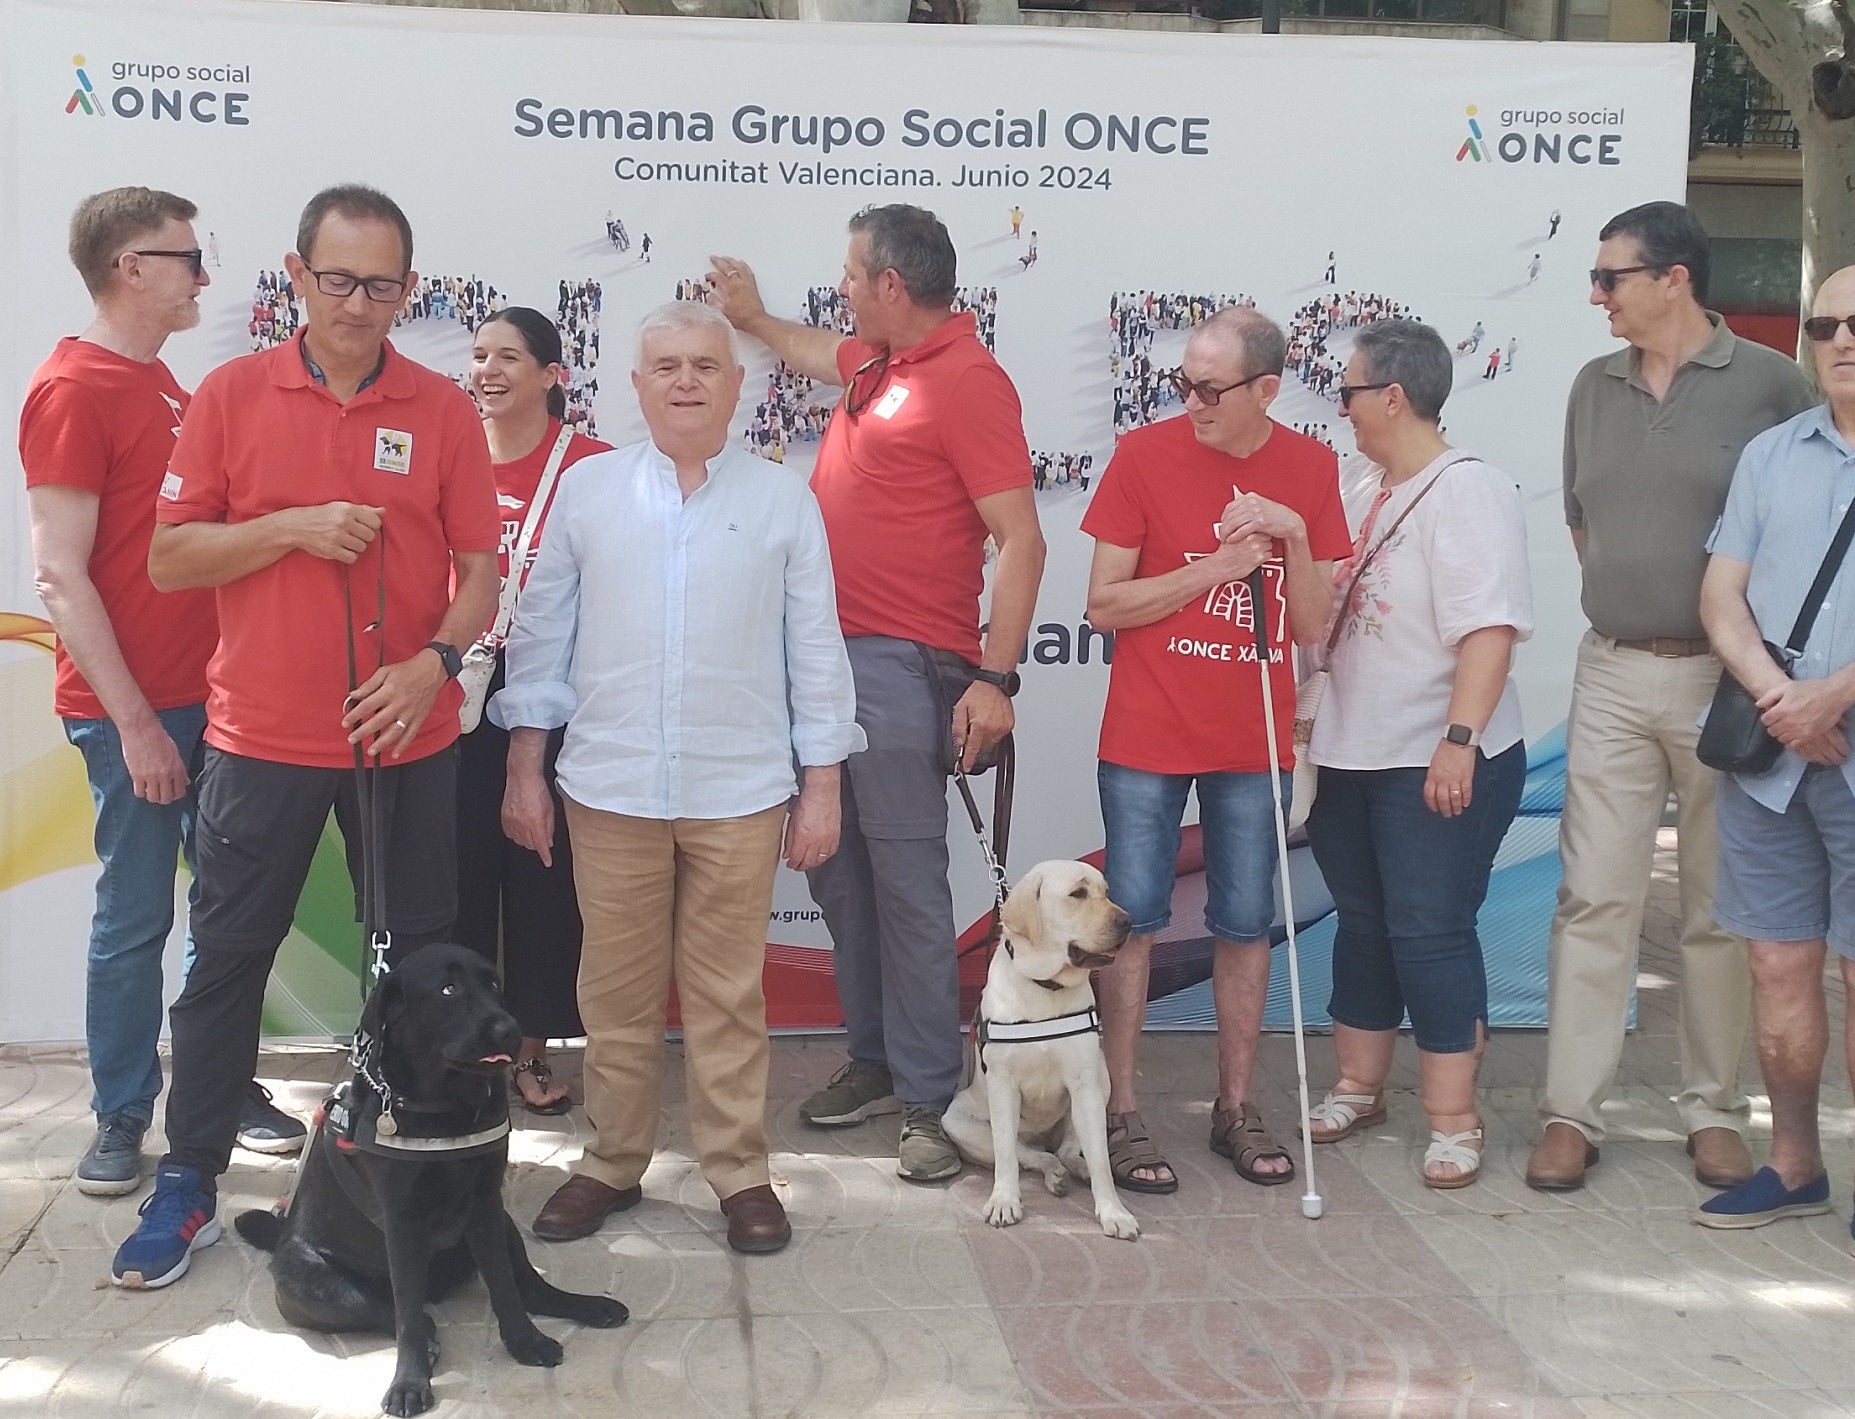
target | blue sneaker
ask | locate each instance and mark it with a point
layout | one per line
(177, 1220)
(1763, 1198)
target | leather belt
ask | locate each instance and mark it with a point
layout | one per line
(1668, 647)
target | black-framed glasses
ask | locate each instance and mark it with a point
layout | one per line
(865, 380)
(1347, 391)
(341, 285)
(1605, 278)
(191, 256)
(1207, 392)
(1821, 328)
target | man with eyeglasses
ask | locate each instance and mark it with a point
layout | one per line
(1651, 436)
(94, 437)
(923, 459)
(329, 489)
(1187, 509)
(1787, 836)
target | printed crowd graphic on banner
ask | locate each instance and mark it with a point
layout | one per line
(1107, 192)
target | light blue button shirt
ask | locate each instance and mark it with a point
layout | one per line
(691, 647)
(1789, 493)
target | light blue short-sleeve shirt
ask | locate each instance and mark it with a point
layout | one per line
(1793, 485)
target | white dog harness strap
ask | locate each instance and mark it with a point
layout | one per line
(1024, 1032)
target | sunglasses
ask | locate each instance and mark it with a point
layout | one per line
(861, 390)
(1208, 393)
(1347, 391)
(1821, 328)
(191, 256)
(1605, 278)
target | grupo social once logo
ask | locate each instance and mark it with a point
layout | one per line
(1579, 137)
(182, 93)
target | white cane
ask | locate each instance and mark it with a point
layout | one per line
(1311, 1204)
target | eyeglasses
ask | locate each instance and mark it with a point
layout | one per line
(1822, 328)
(1605, 278)
(1347, 391)
(859, 391)
(1208, 393)
(340, 284)
(191, 256)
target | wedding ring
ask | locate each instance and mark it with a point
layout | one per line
(400, 722)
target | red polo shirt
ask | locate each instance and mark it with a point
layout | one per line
(105, 424)
(897, 481)
(263, 435)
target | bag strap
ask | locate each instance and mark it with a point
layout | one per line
(1819, 589)
(531, 528)
(1359, 568)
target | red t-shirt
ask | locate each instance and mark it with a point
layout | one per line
(516, 482)
(104, 423)
(263, 435)
(1183, 695)
(897, 482)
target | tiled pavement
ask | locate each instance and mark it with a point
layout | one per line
(898, 1300)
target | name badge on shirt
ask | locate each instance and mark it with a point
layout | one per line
(890, 402)
(392, 451)
(170, 487)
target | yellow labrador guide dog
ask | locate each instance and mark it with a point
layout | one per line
(1038, 1097)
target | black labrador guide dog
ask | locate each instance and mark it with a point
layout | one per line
(399, 1196)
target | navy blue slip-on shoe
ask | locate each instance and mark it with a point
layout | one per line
(1763, 1198)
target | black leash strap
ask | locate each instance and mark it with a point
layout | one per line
(367, 785)
(1002, 792)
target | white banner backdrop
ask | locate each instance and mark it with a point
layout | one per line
(589, 166)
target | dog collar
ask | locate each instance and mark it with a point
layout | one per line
(1021, 1032)
(1046, 984)
(359, 1121)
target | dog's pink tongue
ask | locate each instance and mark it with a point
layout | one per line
(496, 1059)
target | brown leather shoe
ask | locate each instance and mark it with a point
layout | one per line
(579, 1205)
(756, 1220)
(1720, 1157)
(1559, 1159)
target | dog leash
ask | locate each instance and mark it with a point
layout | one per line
(1003, 788)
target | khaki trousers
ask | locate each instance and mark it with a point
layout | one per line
(689, 896)
(1630, 737)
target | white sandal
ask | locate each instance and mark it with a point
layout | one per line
(1447, 1148)
(1345, 1114)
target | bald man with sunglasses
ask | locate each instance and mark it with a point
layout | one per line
(1651, 438)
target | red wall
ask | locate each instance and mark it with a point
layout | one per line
(1777, 331)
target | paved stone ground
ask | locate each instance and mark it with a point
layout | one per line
(897, 1300)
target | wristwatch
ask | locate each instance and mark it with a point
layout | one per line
(1463, 735)
(453, 658)
(1005, 680)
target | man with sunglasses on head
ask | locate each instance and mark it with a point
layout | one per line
(94, 437)
(1787, 836)
(332, 492)
(1187, 510)
(923, 459)
(1651, 436)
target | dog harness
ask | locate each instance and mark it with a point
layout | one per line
(361, 1119)
(1023, 1032)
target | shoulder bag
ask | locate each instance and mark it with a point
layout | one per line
(1734, 739)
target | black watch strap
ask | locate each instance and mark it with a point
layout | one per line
(452, 657)
(1005, 680)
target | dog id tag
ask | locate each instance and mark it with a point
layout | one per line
(386, 1125)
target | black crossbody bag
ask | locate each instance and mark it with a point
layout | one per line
(1734, 739)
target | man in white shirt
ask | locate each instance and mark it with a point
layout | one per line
(711, 666)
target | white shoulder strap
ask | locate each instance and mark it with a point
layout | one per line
(531, 528)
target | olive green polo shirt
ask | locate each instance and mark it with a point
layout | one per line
(1646, 480)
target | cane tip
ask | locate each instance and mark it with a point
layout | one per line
(1312, 1206)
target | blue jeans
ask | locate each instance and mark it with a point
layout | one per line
(1407, 885)
(1141, 812)
(139, 844)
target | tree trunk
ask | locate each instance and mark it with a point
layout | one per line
(1788, 42)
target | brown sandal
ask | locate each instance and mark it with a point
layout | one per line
(1238, 1134)
(1129, 1148)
